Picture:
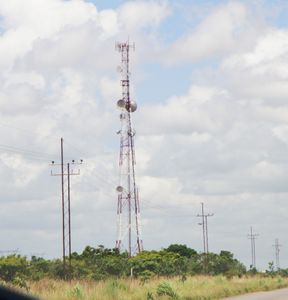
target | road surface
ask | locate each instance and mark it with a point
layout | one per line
(281, 294)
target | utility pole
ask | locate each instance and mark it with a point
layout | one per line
(277, 252)
(63, 206)
(204, 225)
(252, 236)
(66, 172)
(206, 230)
(128, 204)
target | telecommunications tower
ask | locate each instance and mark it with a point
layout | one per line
(128, 208)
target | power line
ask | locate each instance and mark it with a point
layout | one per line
(26, 153)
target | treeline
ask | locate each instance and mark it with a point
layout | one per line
(101, 263)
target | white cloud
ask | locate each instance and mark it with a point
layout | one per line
(24, 23)
(21, 171)
(136, 14)
(109, 23)
(281, 132)
(184, 114)
(273, 113)
(218, 33)
(261, 70)
(273, 45)
(265, 170)
(31, 78)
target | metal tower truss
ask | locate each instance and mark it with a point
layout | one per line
(128, 207)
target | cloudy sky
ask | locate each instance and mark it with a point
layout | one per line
(210, 80)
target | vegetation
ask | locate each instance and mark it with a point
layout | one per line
(102, 263)
(194, 288)
(176, 272)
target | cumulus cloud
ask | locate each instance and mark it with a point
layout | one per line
(273, 45)
(261, 69)
(184, 114)
(23, 23)
(137, 14)
(217, 34)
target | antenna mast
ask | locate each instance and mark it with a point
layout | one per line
(128, 208)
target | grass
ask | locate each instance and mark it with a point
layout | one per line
(194, 288)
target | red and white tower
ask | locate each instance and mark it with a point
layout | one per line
(128, 208)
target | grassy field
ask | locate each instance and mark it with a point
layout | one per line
(193, 288)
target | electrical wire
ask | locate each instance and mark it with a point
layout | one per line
(43, 155)
(26, 155)
(25, 151)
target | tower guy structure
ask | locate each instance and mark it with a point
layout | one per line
(128, 206)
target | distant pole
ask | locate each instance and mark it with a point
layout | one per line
(69, 213)
(277, 253)
(205, 234)
(252, 236)
(206, 225)
(63, 207)
(254, 249)
(203, 227)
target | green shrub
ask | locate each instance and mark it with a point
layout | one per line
(164, 289)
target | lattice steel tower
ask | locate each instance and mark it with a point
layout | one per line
(128, 208)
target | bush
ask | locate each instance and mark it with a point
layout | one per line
(13, 266)
(164, 289)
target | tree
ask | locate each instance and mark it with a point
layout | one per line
(225, 263)
(13, 266)
(158, 262)
(182, 250)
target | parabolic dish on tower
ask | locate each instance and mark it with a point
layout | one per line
(132, 107)
(119, 189)
(121, 103)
